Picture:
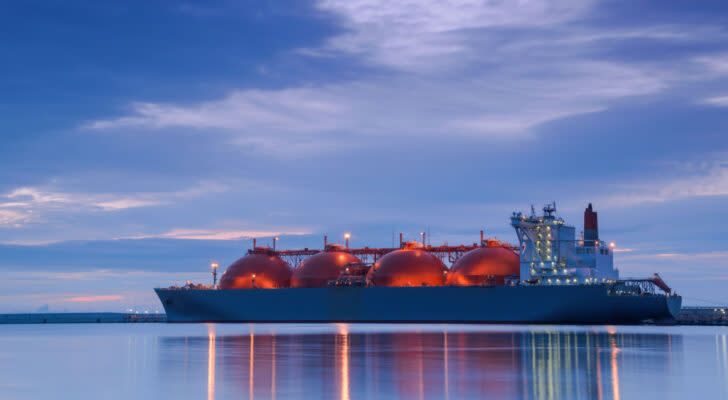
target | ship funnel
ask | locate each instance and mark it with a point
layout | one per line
(591, 227)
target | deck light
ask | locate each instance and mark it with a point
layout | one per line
(214, 275)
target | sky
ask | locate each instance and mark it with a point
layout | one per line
(142, 140)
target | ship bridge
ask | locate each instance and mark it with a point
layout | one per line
(550, 253)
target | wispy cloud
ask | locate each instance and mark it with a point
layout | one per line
(498, 105)
(426, 35)
(432, 36)
(491, 70)
(712, 255)
(209, 234)
(295, 110)
(707, 264)
(719, 101)
(29, 242)
(715, 63)
(709, 178)
(87, 275)
(31, 197)
(27, 204)
(42, 277)
(14, 218)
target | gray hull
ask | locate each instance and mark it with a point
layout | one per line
(585, 304)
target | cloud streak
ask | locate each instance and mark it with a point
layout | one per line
(28, 204)
(719, 101)
(717, 64)
(692, 180)
(412, 35)
(496, 106)
(95, 298)
(210, 234)
(14, 218)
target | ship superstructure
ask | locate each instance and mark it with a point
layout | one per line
(550, 254)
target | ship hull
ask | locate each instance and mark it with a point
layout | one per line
(584, 304)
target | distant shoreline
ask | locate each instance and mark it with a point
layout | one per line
(79, 318)
(688, 316)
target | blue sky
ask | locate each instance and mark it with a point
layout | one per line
(142, 140)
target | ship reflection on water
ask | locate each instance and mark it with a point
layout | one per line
(350, 361)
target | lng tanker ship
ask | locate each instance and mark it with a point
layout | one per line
(550, 277)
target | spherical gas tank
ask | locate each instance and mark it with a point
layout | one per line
(261, 269)
(321, 268)
(484, 266)
(407, 267)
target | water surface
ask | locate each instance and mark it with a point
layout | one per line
(353, 361)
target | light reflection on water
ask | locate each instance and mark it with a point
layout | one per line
(211, 358)
(352, 361)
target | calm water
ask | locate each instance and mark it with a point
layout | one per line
(351, 361)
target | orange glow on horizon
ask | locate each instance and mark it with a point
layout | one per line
(102, 297)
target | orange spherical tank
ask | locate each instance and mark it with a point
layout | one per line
(256, 270)
(407, 267)
(321, 268)
(485, 265)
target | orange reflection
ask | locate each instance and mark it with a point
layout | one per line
(250, 367)
(599, 376)
(343, 360)
(615, 371)
(420, 367)
(254, 363)
(210, 362)
(444, 359)
(273, 368)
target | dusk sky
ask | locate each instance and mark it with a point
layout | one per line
(142, 140)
